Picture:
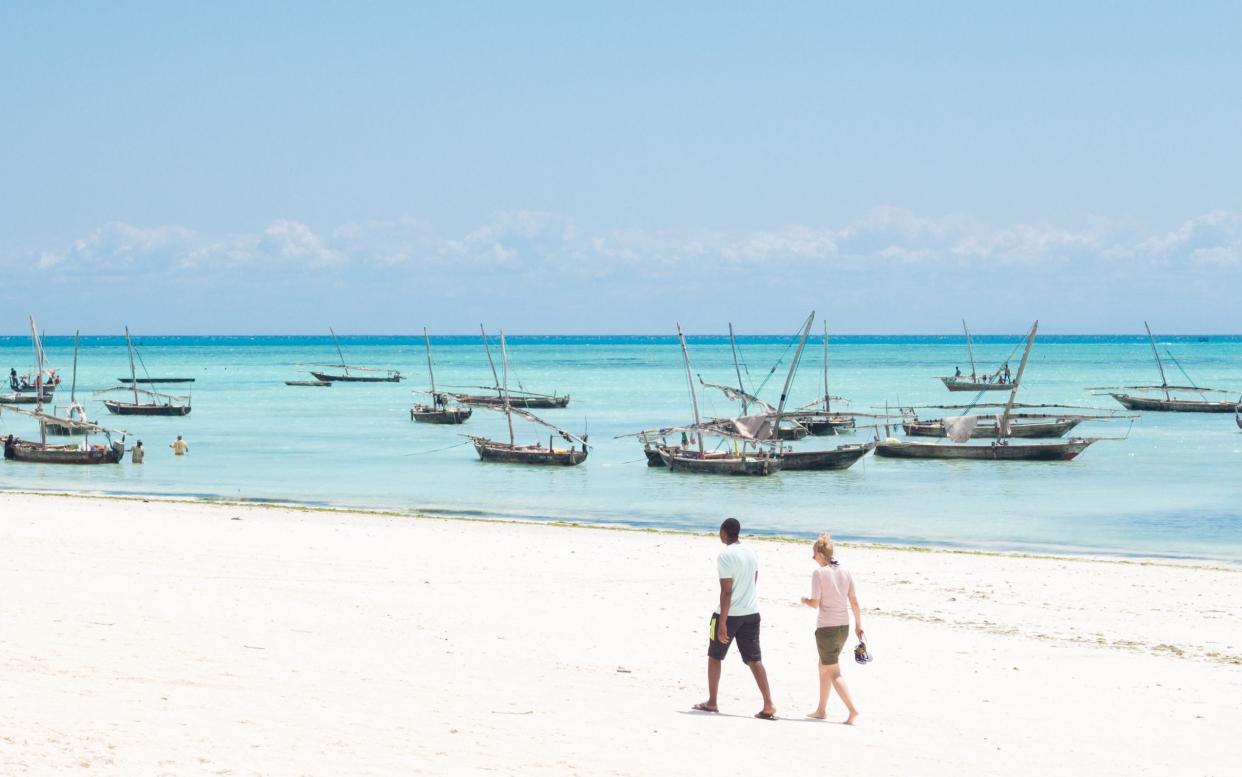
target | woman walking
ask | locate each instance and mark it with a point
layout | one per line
(832, 590)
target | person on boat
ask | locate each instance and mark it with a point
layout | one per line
(139, 453)
(1008, 377)
(736, 617)
(13, 378)
(832, 592)
(957, 372)
(180, 447)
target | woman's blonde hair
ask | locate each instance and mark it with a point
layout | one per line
(823, 546)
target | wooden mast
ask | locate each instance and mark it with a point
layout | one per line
(435, 398)
(133, 374)
(694, 399)
(73, 387)
(38, 349)
(736, 366)
(504, 356)
(827, 396)
(1002, 428)
(1164, 382)
(793, 367)
(339, 352)
(970, 348)
(488, 349)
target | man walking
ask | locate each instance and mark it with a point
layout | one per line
(736, 618)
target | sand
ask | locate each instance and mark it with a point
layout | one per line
(163, 638)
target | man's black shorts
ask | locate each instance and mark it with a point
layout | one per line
(744, 630)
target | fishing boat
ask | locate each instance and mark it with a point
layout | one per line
(155, 380)
(1027, 425)
(529, 400)
(315, 383)
(789, 428)
(976, 381)
(439, 411)
(1237, 415)
(961, 428)
(145, 402)
(74, 411)
(817, 416)
(841, 457)
(350, 374)
(1148, 397)
(536, 454)
(14, 398)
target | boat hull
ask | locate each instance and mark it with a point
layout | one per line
(842, 457)
(1058, 451)
(825, 425)
(24, 399)
(490, 450)
(326, 378)
(21, 450)
(1031, 430)
(961, 384)
(430, 415)
(530, 403)
(677, 461)
(1131, 402)
(318, 383)
(130, 408)
(156, 380)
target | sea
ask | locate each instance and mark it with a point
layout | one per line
(1161, 485)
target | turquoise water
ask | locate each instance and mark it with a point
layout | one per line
(1171, 489)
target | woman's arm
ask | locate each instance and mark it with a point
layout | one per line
(857, 615)
(809, 602)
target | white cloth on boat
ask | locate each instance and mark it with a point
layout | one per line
(959, 428)
(754, 427)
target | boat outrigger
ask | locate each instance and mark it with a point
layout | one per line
(537, 453)
(439, 411)
(1169, 403)
(960, 429)
(350, 374)
(154, 404)
(996, 381)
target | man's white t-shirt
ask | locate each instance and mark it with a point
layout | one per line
(739, 562)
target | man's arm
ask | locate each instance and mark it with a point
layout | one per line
(726, 598)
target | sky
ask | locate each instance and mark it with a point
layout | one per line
(235, 168)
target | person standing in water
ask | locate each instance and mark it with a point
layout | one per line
(736, 618)
(139, 453)
(180, 447)
(832, 592)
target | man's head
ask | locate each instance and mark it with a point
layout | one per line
(178, 437)
(729, 530)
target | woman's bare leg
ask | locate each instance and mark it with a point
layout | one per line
(825, 687)
(843, 690)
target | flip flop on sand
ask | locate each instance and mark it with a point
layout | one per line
(701, 707)
(765, 715)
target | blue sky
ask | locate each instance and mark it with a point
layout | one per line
(612, 167)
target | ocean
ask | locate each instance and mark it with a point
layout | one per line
(1168, 486)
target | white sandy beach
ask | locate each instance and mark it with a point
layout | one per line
(159, 638)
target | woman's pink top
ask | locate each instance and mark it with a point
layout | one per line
(832, 586)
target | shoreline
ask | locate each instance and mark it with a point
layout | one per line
(1017, 551)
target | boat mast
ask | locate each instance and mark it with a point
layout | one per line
(339, 352)
(38, 348)
(793, 367)
(827, 396)
(504, 356)
(694, 399)
(486, 347)
(1002, 429)
(970, 348)
(133, 374)
(73, 387)
(1164, 382)
(736, 366)
(435, 398)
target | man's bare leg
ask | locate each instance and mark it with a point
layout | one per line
(713, 685)
(761, 679)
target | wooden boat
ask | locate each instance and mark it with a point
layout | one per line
(1237, 415)
(976, 382)
(818, 416)
(439, 411)
(319, 383)
(1169, 403)
(156, 404)
(44, 381)
(74, 410)
(537, 454)
(999, 450)
(841, 457)
(713, 463)
(25, 399)
(155, 380)
(529, 400)
(789, 428)
(350, 374)
(1002, 450)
